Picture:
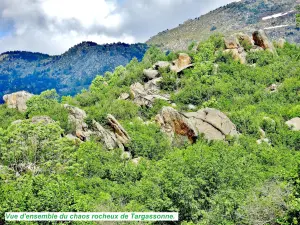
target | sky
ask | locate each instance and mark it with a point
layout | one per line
(53, 26)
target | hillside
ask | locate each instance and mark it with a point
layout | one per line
(202, 133)
(68, 73)
(277, 17)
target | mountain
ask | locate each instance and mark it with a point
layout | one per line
(68, 73)
(277, 17)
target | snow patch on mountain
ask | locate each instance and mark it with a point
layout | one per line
(277, 15)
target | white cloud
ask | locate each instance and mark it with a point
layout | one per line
(53, 26)
(87, 12)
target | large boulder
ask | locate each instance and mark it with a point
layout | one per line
(173, 122)
(115, 137)
(231, 42)
(150, 73)
(294, 124)
(145, 95)
(183, 62)
(161, 65)
(17, 100)
(244, 38)
(211, 123)
(77, 118)
(108, 138)
(118, 130)
(260, 39)
(214, 124)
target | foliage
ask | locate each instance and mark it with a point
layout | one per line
(47, 104)
(232, 182)
(147, 140)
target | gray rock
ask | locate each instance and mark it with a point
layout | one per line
(124, 96)
(213, 124)
(150, 73)
(17, 100)
(108, 138)
(119, 131)
(146, 95)
(294, 124)
(161, 65)
(77, 118)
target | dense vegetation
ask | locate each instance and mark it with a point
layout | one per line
(68, 73)
(232, 182)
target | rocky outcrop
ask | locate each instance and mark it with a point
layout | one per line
(231, 42)
(244, 38)
(213, 124)
(77, 118)
(161, 65)
(17, 100)
(115, 137)
(118, 130)
(234, 48)
(294, 124)
(172, 122)
(183, 62)
(150, 73)
(145, 95)
(107, 137)
(260, 39)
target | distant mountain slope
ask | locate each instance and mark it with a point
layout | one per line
(277, 17)
(68, 73)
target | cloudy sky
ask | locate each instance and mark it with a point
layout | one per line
(53, 26)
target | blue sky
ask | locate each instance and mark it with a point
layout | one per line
(53, 26)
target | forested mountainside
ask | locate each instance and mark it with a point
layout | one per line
(68, 73)
(213, 134)
(277, 17)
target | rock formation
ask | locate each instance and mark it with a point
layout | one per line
(233, 47)
(260, 39)
(294, 124)
(161, 65)
(124, 96)
(183, 62)
(118, 130)
(235, 44)
(231, 42)
(150, 73)
(115, 137)
(213, 124)
(244, 38)
(145, 95)
(17, 100)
